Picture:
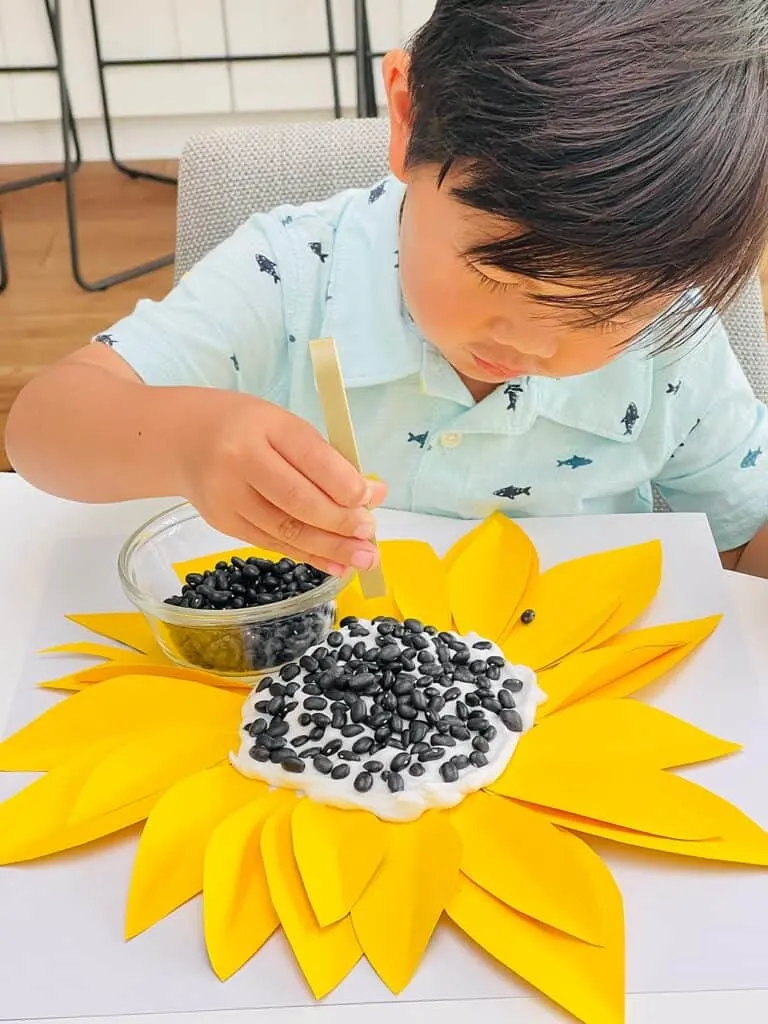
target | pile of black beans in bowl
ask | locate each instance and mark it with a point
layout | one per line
(250, 583)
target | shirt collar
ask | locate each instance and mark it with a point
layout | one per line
(376, 340)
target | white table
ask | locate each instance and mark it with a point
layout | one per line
(31, 524)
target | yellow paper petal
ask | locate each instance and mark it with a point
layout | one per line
(91, 650)
(531, 866)
(586, 980)
(129, 628)
(419, 582)
(168, 869)
(622, 730)
(639, 568)
(238, 912)
(489, 572)
(149, 765)
(578, 604)
(325, 955)
(640, 677)
(203, 562)
(632, 796)
(587, 672)
(77, 681)
(337, 853)
(742, 841)
(33, 822)
(563, 622)
(117, 708)
(396, 915)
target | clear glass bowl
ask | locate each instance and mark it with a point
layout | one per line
(242, 642)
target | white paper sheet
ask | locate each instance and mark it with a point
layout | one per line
(690, 927)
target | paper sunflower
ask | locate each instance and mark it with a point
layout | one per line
(148, 740)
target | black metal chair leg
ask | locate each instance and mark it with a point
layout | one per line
(131, 172)
(3, 263)
(333, 57)
(366, 88)
(69, 186)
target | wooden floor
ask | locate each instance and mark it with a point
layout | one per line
(43, 313)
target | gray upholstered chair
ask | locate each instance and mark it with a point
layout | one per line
(227, 174)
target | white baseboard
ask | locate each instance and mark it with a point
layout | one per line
(135, 139)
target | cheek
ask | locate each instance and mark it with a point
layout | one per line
(434, 286)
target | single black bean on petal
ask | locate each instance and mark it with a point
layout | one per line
(449, 771)
(363, 782)
(512, 720)
(528, 616)
(395, 783)
(417, 770)
(323, 764)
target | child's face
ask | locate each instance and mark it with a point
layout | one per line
(488, 323)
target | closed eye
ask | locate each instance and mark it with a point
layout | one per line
(490, 282)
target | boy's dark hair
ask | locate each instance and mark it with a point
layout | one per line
(627, 138)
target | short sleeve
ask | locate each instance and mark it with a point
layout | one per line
(720, 466)
(222, 326)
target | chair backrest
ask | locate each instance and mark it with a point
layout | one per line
(228, 174)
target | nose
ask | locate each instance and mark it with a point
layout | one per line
(532, 341)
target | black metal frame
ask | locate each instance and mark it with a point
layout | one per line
(366, 107)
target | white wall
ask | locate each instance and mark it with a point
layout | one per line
(155, 109)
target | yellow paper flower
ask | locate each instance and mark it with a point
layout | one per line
(143, 739)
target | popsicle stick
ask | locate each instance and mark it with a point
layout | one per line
(341, 434)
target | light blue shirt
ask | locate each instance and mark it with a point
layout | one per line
(686, 421)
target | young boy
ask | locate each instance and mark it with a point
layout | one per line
(524, 309)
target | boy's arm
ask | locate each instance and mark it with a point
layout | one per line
(720, 465)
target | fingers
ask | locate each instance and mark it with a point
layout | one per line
(307, 451)
(251, 534)
(336, 552)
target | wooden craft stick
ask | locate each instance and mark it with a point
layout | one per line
(341, 434)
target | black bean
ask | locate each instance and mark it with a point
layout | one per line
(363, 745)
(420, 747)
(386, 655)
(335, 639)
(496, 662)
(363, 782)
(425, 658)
(373, 766)
(443, 741)
(291, 689)
(348, 755)
(265, 684)
(339, 719)
(483, 645)
(277, 727)
(308, 663)
(277, 689)
(261, 706)
(358, 712)
(341, 771)
(490, 733)
(288, 672)
(317, 733)
(345, 652)
(417, 731)
(382, 734)
(477, 667)
(512, 720)
(295, 765)
(461, 761)
(432, 670)
(461, 674)
(419, 700)
(505, 699)
(513, 685)
(433, 754)
(481, 744)
(477, 759)
(257, 727)
(279, 754)
(472, 700)
(332, 748)
(322, 764)
(389, 701)
(305, 720)
(403, 686)
(452, 693)
(491, 704)
(408, 712)
(349, 620)
(259, 753)
(361, 681)
(399, 762)
(476, 722)
(396, 742)
(528, 616)
(416, 770)
(413, 626)
(460, 732)
(299, 741)
(351, 730)
(449, 771)
(315, 703)
(437, 704)
(321, 720)
(395, 783)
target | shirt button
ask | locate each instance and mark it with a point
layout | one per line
(450, 440)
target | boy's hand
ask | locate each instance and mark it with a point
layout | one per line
(259, 473)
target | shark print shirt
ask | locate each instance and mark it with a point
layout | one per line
(683, 425)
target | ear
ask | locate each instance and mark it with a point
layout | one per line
(395, 70)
